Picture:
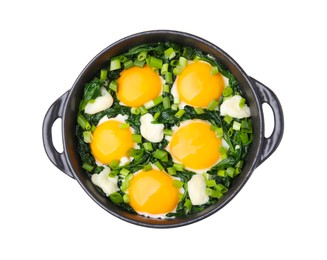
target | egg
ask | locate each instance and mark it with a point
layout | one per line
(231, 107)
(137, 86)
(153, 194)
(100, 103)
(195, 145)
(106, 183)
(195, 86)
(111, 141)
(197, 190)
(151, 132)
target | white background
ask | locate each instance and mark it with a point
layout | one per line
(281, 211)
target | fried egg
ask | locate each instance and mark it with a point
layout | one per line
(111, 141)
(137, 86)
(196, 87)
(231, 107)
(151, 132)
(195, 145)
(153, 194)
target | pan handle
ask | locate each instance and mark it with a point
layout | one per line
(271, 143)
(54, 112)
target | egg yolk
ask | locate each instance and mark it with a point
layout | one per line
(197, 87)
(153, 192)
(110, 141)
(195, 145)
(136, 86)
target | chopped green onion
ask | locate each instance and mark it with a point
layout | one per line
(178, 184)
(230, 132)
(242, 102)
(157, 100)
(128, 64)
(199, 110)
(124, 172)
(155, 63)
(196, 58)
(81, 120)
(124, 185)
(139, 63)
(221, 173)
(169, 77)
(126, 198)
(180, 113)
(113, 173)
(123, 58)
(213, 193)
(160, 154)
(177, 70)
(179, 167)
(173, 63)
(115, 64)
(168, 132)
(171, 170)
(93, 127)
(87, 136)
(219, 132)
(182, 62)
(164, 69)
(174, 107)
(246, 126)
(124, 126)
(114, 164)
(211, 183)
(227, 91)
(169, 53)
(158, 164)
(212, 105)
(147, 167)
(116, 198)
(221, 188)
(148, 146)
(137, 138)
(156, 115)
(228, 119)
(135, 110)
(230, 171)
(103, 74)
(222, 149)
(149, 104)
(239, 164)
(214, 70)
(236, 126)
(166, 88)
(142, 55)
(87, 167)
(143, 110)
(244, 138)
(166, 102)
(188, 204)
(113, 85)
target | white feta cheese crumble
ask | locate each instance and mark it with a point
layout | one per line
(151, 132)
(197, 190)
(231, 107)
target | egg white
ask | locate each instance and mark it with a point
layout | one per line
(163, 215)
(121, 118)
(174, 91)
(176, 128)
